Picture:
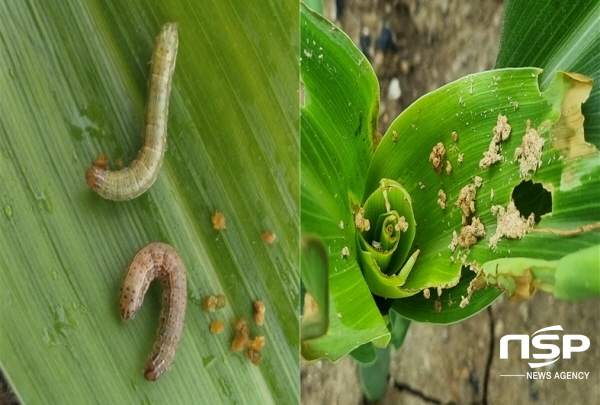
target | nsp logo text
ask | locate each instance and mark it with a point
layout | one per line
(570, 344)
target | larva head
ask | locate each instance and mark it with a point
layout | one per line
(153, 371)
(151, 374)
(126, 314)
(167, 42)
(95, 177)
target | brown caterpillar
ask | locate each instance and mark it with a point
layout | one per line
(157, 260)
(131, 182)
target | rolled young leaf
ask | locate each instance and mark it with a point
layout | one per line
(384, 249)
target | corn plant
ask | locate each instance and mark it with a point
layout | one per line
(487, 185)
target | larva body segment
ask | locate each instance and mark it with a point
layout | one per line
(157, 260)
(130, 182)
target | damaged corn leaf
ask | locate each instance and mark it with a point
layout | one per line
(557, 36)
(444, 306)
(498, 130)
(338, 137)
(568, 278)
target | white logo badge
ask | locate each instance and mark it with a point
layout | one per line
(570, 344)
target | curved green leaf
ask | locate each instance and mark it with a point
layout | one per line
(337, 129)
(374, 377)
(446, 308)
(399, 328)
(573, 279)
(569, 278)
(73, 79)
(365, 354)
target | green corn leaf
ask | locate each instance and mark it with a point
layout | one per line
(337, 136)
(365, 354)
(374, 376)
(445, 308)
(555, 36)
(399, 328)
(74, 83)
(570, 278)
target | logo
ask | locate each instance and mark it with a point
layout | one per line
(554, 346)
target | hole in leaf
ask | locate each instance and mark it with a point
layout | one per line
(532, 197)
(588, 110)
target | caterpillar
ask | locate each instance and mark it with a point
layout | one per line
(157, 260)
(132, 181)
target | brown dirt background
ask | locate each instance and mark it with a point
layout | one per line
(439, 41)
